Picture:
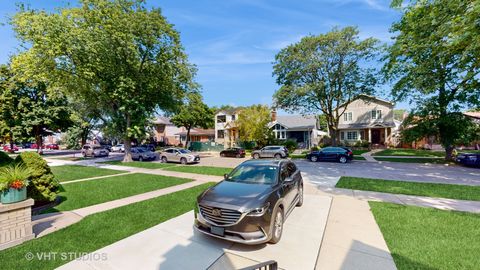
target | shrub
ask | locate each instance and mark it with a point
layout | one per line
(43, 185)
(314, 148)
(5, 159)
(290, 145)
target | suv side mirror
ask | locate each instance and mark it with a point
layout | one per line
(225, 176)
(288, 179)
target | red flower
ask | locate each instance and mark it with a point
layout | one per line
(17, 184)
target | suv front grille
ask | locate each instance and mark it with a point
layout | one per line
(220, 216)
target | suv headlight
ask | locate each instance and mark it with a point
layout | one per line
(259, 211)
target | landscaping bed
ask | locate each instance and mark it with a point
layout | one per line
(86, 193)
(427, 238)
(459, 192)
(140, 164)
(218, 171)
(74, 172)
(102, 229)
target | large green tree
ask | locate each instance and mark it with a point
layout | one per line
(321, 73)
(434, 64)
(118, 55)
(194, 113)
(252, 124)
(10, 119)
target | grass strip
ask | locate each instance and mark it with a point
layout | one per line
(427, 238)
(218, 171)
(414, 160)
(74, 172)
(140, 164)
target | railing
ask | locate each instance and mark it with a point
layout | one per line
(270, 265)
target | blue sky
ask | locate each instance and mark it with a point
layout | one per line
(233, 42)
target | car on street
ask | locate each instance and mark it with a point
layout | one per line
(94, 150)
(107, 146)
(6, 147)
(469, 159)
(251, 204)
(118, 148)
(149, 147)
(236, 152)
(272, 151)
(141, 154)
(27, 145)
(339, 154)
(180, 155)
(52, 146)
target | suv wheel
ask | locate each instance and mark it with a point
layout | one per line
(164, 159)
(300, 196)
(238, 156)
(313, 158)
(140, 159)
(277, 226)
(342, 159)
(256, 156)
(277, 156)
(183, 161)
(222, 154)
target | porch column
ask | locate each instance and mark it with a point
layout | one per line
(386, 135)
(370, 135)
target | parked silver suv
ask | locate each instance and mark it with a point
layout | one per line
(141, 154)
(93, 150)
(271, 151)
(183, 156)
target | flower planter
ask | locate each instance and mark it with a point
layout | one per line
(13, 195)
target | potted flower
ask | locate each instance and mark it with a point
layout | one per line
(13, 183)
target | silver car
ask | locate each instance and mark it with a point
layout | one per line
(89, 150)
(141, 154)
(183, 156)
(272, 151)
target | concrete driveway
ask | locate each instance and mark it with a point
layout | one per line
(328, 173)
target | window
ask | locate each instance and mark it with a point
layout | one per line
(376, 114)
(233, 117)
(348, 116)
(280, 132)
(352, 135)
(220, 134)
(221, 119)
(342, 135)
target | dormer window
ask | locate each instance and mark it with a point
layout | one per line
(221, 118)
(376, 114)
(348, 116)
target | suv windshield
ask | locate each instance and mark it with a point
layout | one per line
(254, 174)
(184, 151)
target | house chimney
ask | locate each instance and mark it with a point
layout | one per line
(274, 115)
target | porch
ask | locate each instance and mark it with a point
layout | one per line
(374, 135)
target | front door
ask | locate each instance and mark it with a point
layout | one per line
(375, 136)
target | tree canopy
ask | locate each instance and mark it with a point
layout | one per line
(252, 124)
(120, 56)
(321, 73)
(434, 64)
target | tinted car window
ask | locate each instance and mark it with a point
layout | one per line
(284, 173)
(184, 151)
(169, 150)
(254, 174)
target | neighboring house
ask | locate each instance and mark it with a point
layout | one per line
(197, 135)
(475, 117)
(166, 132)
(226, 130)
(367, 118)
(302, 129)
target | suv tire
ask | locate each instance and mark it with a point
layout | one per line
(256, 156)
(342, 159)
(140, 159)
(277, 156)
(277, 226)
(300, 196)
(164, 159)
(313, 158)
(183, 161)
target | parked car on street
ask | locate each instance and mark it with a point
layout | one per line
(469, 159)
(94, 150)
(118, 148)
(149, 147)
(233, 152)
(251, 204)
(27, 145)
(141, 154)
(107, 146)
(272, 151)
(181, 155)
(52, 146)
(6, 147)
(340, 154)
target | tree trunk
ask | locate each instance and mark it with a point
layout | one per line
(127, 142)
(449, 153)
(11, 142)
(333, 134)
(39, 141)
(187, 140)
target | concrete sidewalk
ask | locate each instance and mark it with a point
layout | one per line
(174, 244)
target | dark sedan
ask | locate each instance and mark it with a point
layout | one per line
(469, 159)
(251, 204)
(340, 154)
(233, 152)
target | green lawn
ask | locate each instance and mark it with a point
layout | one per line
(410, 152)
(297, 156)
(82, 194)
(220, 171)
(358, 158)
(71, 158)
(74, 172)
(427, 238)
(460, 192)
(141, 164)
(102, 229)
(358, 152)
(414, 160)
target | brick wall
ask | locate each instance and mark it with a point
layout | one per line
(15, 223)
